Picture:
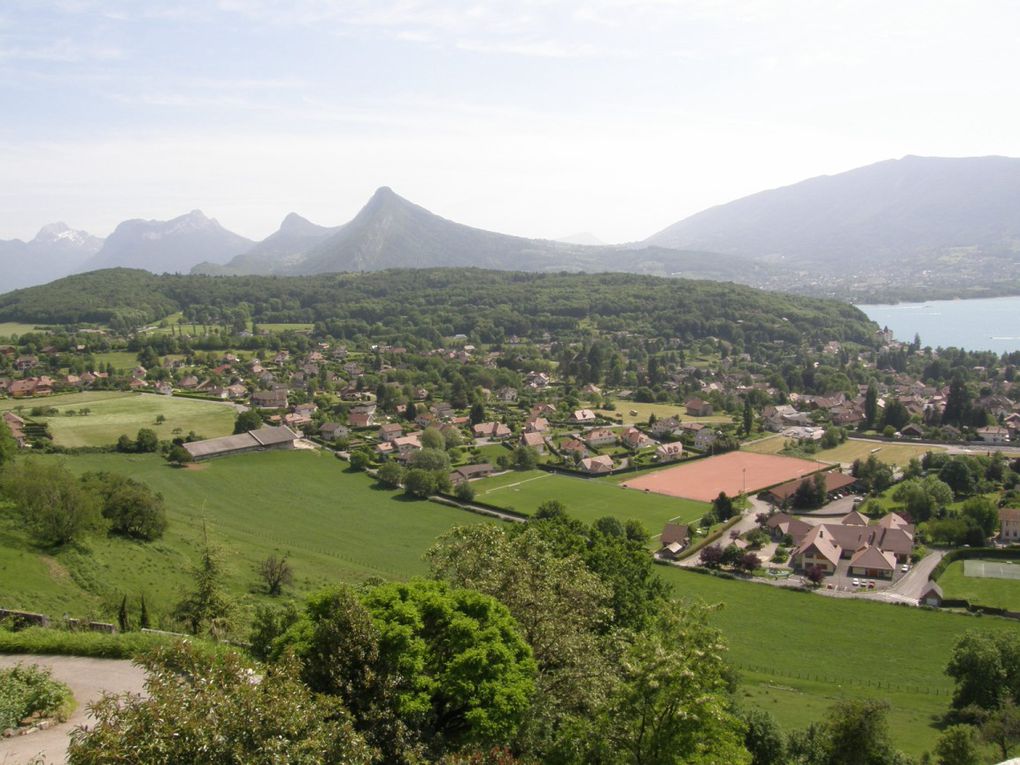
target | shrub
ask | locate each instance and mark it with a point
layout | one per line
(27, 690)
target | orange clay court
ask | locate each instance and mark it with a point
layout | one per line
(732, 472)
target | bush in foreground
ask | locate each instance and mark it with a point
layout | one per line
(28, 690)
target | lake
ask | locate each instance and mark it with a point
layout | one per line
(984, 324)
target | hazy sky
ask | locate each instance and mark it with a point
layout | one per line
(536, 118)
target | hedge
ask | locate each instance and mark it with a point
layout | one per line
(963, 553)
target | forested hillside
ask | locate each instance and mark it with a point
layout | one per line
(489, 305)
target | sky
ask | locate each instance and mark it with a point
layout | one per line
(531, 117)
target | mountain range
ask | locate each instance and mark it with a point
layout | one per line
(918, 225)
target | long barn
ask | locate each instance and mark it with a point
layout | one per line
(279, 437)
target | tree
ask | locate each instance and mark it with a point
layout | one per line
(857, 731)
(749, 562)
(764, 738)
(132, 508)
(432, 438)
(276, 573)
(986, 669)
(449, 664)
(205, 608)
(815, 574)
(477, 413)
(178, 456)
(983, 512)
(646, 720)
(8, 446)
(958, 476)
(125, 444)
(122, 616)
(247, 420)
(55, 507)
(143, 616)
(360, 460)
(390, 475)
(711, 556)
(465, 492)
(146, 441)
(525, 458)
(274, 720)
(895, 415)
(957, 745)
(748, 416)
(1002, 728)
(431, 459)
(723, 507)
(870, 405)
(419, 483)
(561, 608)
(958, 403)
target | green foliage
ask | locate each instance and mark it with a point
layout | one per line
(206, 608)
(54, 505)
(178, 455)
(923, 497)
(26, 690)
(419, 483)
(764, 738)
(146, 441)
(8, 447)
(276, 573)
(986, 669)
(247, 420)
(525, 458)
(432, 438)
(39, 640)
(420, 664)
(957, 745)
(360, 460)
(464, 491)
(983, 513)
(433, 460)
(390, 474)
(132, 508)
(213, 711)
(855, 732)
(723, 507)
(873, 474)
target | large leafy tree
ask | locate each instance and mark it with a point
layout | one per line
(8, 446)
(54, 505)
(986, 669)
(217, 711)
(424, 667)
(561, 608)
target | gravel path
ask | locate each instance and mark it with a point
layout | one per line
(87, 679)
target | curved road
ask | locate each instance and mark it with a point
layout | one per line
(87, 679)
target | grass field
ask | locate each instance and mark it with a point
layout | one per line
(287, 327)
(890, 453)
(9, 328)
(116, 412)
(980, 590)
(585, 499)
(333, 526)
(121, 360)
(644, 411)
(800, 652)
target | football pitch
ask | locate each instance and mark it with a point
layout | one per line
(992, 569)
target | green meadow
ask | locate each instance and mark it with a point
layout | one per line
(113, 413)
(799, 652)
(332, 524)
(585, 499)
(11, 328)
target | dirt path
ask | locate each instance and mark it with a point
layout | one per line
(87, 678)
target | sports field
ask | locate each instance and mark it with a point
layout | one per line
(800, 652)
(585, 499)
(332, 524)
(850, 450)
(734, 473)
(112, 413)
(992, 583)
(623, 410)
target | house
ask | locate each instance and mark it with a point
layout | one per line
(668, 426)
(854, 518)
(835, 482)
(571, 447)
(669, 452)
(583, 417)
(534, 441)
(600, 437)
(780, 524)
(507, 395)
(675, 533)
(633, 438)
(994, 434)
(870, 561)
(361, 419)
(390, 431)
(599, 465)
(816, 549)
(331, 431)
(470, 472)
(536, 425)
(407, 445)
(705, 439)
(541, 410)
(492, 430)
(189, 382)
(931, 595)
(1009, 525)
(270, 399)
(912, 430)
(697, 407)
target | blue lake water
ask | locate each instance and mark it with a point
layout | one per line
(984, 324)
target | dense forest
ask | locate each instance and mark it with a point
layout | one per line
(486, 305)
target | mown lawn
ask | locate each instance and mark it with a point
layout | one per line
(980, 591)
(889, 453)
(10, 328)
(122, 361)
(585, 499)
(113, 413)
(333, 526)
(799, 651)
(623, 410)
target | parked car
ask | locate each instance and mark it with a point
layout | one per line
(905, 568)
(857, 582)
(871, 584)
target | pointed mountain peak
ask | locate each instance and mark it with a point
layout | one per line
(295, 224)
(61, 232)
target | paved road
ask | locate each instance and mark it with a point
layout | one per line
(913, 582)
(87, 678)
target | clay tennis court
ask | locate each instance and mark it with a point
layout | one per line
(733, 473)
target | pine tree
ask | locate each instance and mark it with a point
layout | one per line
(122, 616)
(143, 618)
(748, 416)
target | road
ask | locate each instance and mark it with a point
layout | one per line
(87, 679)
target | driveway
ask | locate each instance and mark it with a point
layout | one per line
(87, 679)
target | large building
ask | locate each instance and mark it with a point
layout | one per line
(280, 437)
